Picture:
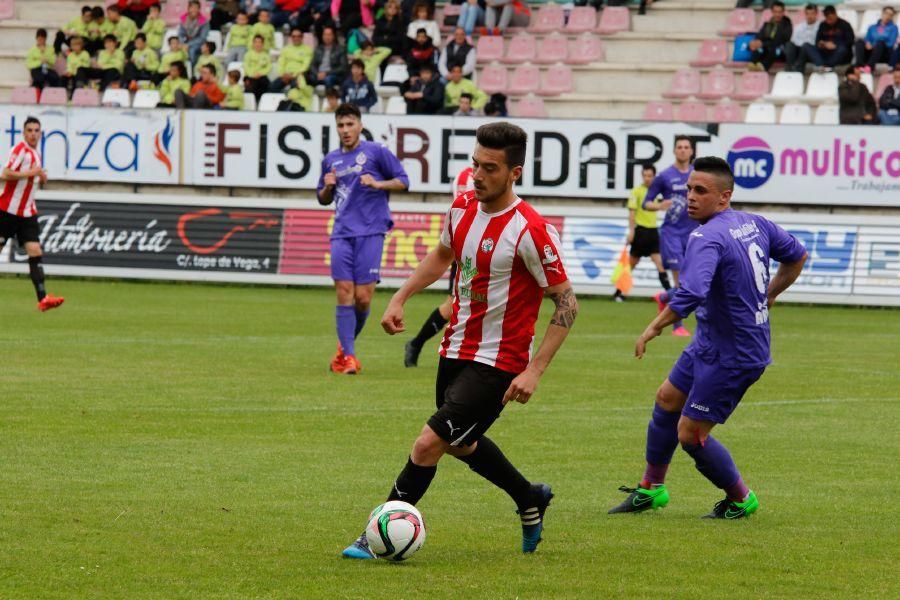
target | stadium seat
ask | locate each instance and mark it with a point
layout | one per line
(613, 20)
(396, 105)
(309, 39)
(172, 11)
(717, 84)
(556, 80)
(145, 99)
(852, 17)
(393, 77)
(585, 49)
(489, 48)
(525, 79)
(86, 97)
(316, 102)
(530, 106)
(522, 48)
(279, 40)
(827, 114)
(24, 95)
(883, 82)
(868, 80)
(685, 83)
(760, 112)
(582, 18)
(216, 38)
(377, 108)
(711, 53)
(787, 86)
(822, 86)
(870, 17)
(751, 85)
(249, 101)
(795, 113)
(493, 78)
(552, 49)
(692, 112)
(548, 18)
(765, 15)
(7, 9)
(659, 111)
(269, 102)
(116, 97)
(740, 20)
(727, 112)
(54, 96)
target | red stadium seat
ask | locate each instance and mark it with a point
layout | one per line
(172, 11)
(489, 48)
(614, 19)
(309, 39)
(86, 97)
(493, 79)
(7, 9)
(530, 106)
(659, 111)
(585, 49)
(526, 79)
(552, 49)
(717, 84)
(765, 16)
(522, 48)
(685, 83)
(549, 18)
(711, 53)
(54, 96)
(582, 18)
(23, 95)
(728, 112)
(692, 112)
(883, 82)
(751, 85)
(449, 10)
(557, 80)
(740, 20)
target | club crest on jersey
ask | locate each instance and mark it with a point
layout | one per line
(468, 272)
(361, 159)
(549, 256)
(487, 245)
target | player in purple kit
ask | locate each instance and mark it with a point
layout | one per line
(358, 178)
(671, 184)
(725, 280)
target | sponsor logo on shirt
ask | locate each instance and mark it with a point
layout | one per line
(699, 407)
(747, 231)
(549, 256)
(468, 272)
(361, 159)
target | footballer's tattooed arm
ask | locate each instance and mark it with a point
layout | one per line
(566, 308)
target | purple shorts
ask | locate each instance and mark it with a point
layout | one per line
(713, 391)
(671, 246)
(357, 259)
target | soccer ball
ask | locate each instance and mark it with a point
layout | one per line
(395, 530)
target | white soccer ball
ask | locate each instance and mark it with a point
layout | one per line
(396, 530)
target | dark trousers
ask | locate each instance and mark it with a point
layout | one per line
(257, 86)
(106, 76)
(767, 55)
(748, 3)
(132, 73)
(183, 100)
(879, 53)
(44, 76)
(138, 16)
(792, 56)
(825, 58)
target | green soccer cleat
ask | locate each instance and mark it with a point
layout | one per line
(729, 509)
(640, 499)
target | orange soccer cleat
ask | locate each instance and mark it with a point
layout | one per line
(50, 302)
(681, 332)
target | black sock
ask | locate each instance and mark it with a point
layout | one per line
(412, 482)
(432, 325)
(36, 269)
(489, 462)
(618, 294)
(664, 280)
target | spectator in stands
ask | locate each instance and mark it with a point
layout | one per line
(257, 65)
(316, 14)
(804, 33)
(465, 107)
(254, 7)
(154, 28)
(77, 59)
(833, 42)
(421, 52)
(423, 14)
(137, 10)
(208, 57)
(497, 16)
(174, 81)
(471, 15)
(748, 3)
(498, 100)
(206, 93)
(193, 30)
(98, 28)
(299, 97)
(124, 29)
(264, 27)
(77, 26)
(223, 12)
(458, 52)
(175, 54)
(357, 89)
(372, 57)
(41, 61)
(457, 85)
(238, 39)
(293, 62)
(491, 110)
(424, 94)
(329, 64)
(142, 65)
(857, 104)
(352, 14)
(286, 12)
(332, 100)
(889, 103)
(879, 42)
(771, 39)
(390, 29)
(107, 67)
(234, 92)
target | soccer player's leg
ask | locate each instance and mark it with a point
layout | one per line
(366, 273)
(342, 251)
(715, 395)
(432, 325)
(672, 253)
(29, 238)
(662, 440)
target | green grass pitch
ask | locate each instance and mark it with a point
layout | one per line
(186, 441)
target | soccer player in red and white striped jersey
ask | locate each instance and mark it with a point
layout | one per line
(22, 175)
(507, 259)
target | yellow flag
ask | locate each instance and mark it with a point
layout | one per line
(621, 276)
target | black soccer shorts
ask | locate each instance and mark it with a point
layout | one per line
(646, 242)
(25, 229)
(469, 399)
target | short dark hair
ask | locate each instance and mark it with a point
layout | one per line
(507, 137)
(716, 166)
(110, 38)
(172, 37)
(778, 3)
(41, 33)
(421, 30)
(113, 9)
(194, 3)
(356, 62)
(648, 167)
(31, 120)
(141, 36)
(211, 46)
(682, 138)
(97, 11)
(811, 6)
(211, 67)
(332, 92)
(491, 109)
(234, 74)
(466, 95)
(86, 9)
(829, 10)
(428, 67)
(345, 109)
(259, 37)
(260, 11)
(456, 66)
(366, 44)
(182, 70)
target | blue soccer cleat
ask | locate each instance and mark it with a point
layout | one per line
(359, 549)
(533, 517)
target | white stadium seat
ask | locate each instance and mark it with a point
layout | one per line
(270, 102)
(827, 114)
(760, 112)
(794, 113)
(822, 86)
(116, 97)
(146, 99)
(787, 86)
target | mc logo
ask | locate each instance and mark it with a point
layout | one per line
(752, 161)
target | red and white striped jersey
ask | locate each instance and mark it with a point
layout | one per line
(464, 182)
(18, 194)
(504, 261)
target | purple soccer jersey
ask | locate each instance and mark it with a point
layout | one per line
(361, 210)
(725, 280)
(671, 184)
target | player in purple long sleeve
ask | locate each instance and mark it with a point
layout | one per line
(671, 184)
(725, 281)
(358, 178)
